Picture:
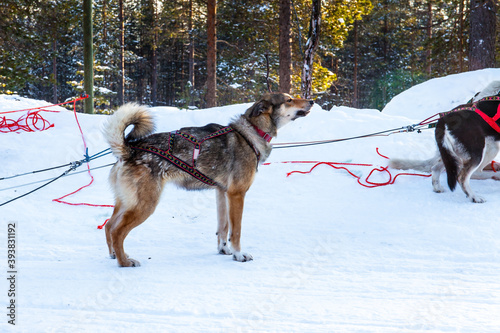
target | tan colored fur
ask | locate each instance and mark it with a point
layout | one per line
(138, 178)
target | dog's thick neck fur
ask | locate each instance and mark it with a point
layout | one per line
(245, 127)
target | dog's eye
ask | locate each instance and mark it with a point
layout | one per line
(289, 100)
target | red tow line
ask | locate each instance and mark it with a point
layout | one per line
(343, 166)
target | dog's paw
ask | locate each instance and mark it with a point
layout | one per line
(242, 257)
(436, 186)
(130, 263)
(224, 248)
(477, 199)
(112, 255)
(438, 189)
(135, 263)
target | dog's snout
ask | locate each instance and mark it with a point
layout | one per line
(311, 102)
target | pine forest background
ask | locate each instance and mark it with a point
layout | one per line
(369, 51)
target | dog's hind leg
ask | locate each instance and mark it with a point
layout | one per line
(474, 165)
(130, 219)
(110, 225)
(436, 173)
(236, 202)
(464, 176)
(140, 205)
(223, 222)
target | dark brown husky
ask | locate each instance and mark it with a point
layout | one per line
(213, 156)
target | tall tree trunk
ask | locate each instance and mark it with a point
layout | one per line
(428, 62)
(54, 70)
(121, 68)
(211, 97)
(461, 36)
(355, 74)
(104, 35)
(154, 57)
(285, 48)
(482, 34)
(191, 45)
(311, 46)
(88, 56)
(154, 74)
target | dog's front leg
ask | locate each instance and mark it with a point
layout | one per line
(223, 223)
(236, 202)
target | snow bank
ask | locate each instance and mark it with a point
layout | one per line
(440, 94)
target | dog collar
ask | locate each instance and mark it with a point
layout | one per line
(264, 135)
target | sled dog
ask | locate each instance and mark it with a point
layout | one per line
(194, 158)
(467, 144)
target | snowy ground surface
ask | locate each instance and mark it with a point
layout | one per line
(329, 254)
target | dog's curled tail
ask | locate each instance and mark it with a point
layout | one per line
(128, 114)
(424, 166)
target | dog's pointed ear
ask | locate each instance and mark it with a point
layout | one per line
(258, 108)
(278, 99)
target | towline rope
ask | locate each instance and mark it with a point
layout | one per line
(427, 123)
(73, 167)
(405, 129)
(45, 180)
(86, 159)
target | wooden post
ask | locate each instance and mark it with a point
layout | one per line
(88, 56)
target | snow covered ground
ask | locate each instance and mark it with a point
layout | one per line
(329, 254)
